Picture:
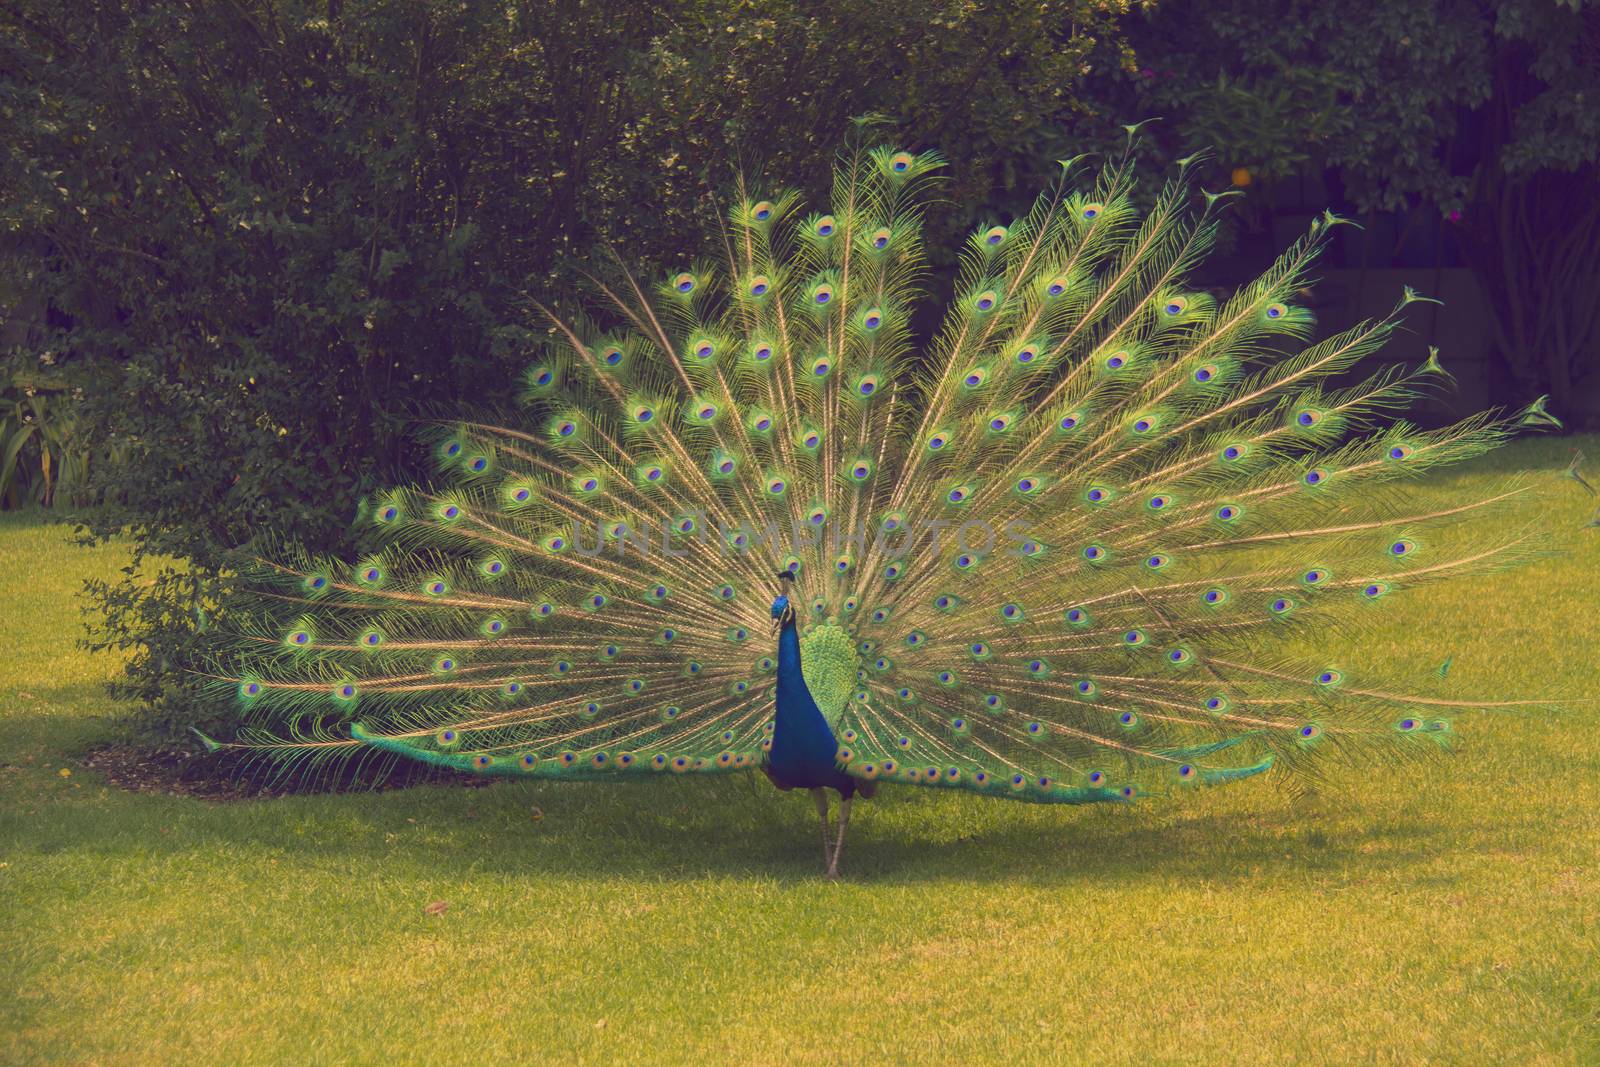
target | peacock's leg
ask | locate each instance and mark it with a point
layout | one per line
(820, 799)
(838, 846)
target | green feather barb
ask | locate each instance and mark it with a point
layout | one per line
(1057, 552)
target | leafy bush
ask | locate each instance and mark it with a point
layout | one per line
(43, 460)
(274, 233)
(270, 234)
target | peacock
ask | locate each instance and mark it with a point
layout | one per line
(749, 518)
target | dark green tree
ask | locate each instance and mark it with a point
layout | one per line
(1484, 109)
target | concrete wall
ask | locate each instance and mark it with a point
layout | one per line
(1363, 273)
(1460, 329)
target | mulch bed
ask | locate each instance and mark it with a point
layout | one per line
(224, 777)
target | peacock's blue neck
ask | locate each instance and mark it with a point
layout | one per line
(803, 746)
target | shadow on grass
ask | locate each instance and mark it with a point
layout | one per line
(697, 828)
(688, 830)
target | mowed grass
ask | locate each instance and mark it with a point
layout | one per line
(1444, 913)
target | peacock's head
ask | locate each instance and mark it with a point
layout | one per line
(782, 610)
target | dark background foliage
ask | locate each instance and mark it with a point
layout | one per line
(241, 244)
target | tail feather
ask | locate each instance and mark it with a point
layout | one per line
(1070, 541)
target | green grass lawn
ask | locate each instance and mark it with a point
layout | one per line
(1444, 913)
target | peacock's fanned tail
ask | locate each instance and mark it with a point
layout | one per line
(1054, 555)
